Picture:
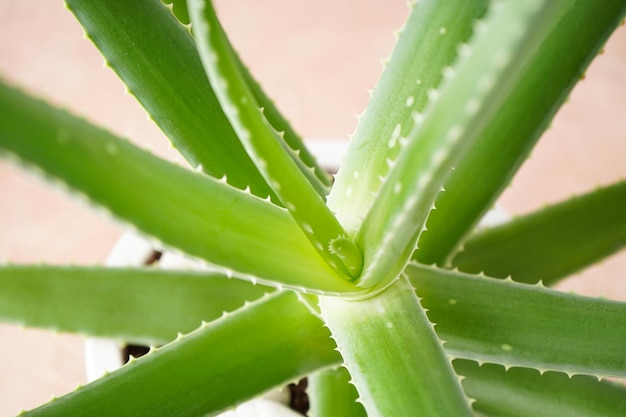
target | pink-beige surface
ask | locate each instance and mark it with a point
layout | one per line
(317, 60)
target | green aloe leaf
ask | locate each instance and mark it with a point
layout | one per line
(426, 45)
(141, 306)
(292, 141)
(523, 392)
(472, 324)
(222, 363)
(294, 144)
(298, 150)
(301, 154)
(555, 241)
(259, 138)
(453, 120)
(183, 209)
(157, 60)
(396, 361)
(149, 313)
(517, 324)
(331, 394)
(553, 69)
(179, 8)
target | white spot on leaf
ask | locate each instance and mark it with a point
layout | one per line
(111, 148)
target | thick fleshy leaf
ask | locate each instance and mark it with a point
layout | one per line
(306, 160)
(555, 241)
(484, 385)
(471, 93)
(295, 145)
(394, 357)
(270, 342)
(426, 45)
(331, 394)
(293, 187)
(285, 134)
(515, 324)
(179, 8)
(185, 210)
(523, 392)
(157, 60)
(141, 306)
(553, 69)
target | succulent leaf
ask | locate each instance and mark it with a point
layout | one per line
(332, 394)
(179, 8)
(464, 98)
(517, 324)
(523, 392)
(144, 306)
(453, 120)
(180, 208)
(555, 241)
(293, 188)
(415, 67)
(394, 356)
(554, 68)
(157, 60)
(307, 163)
(195, 374)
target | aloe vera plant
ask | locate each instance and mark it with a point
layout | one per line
(378, 285)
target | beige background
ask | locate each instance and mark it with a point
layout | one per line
(317, 59)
